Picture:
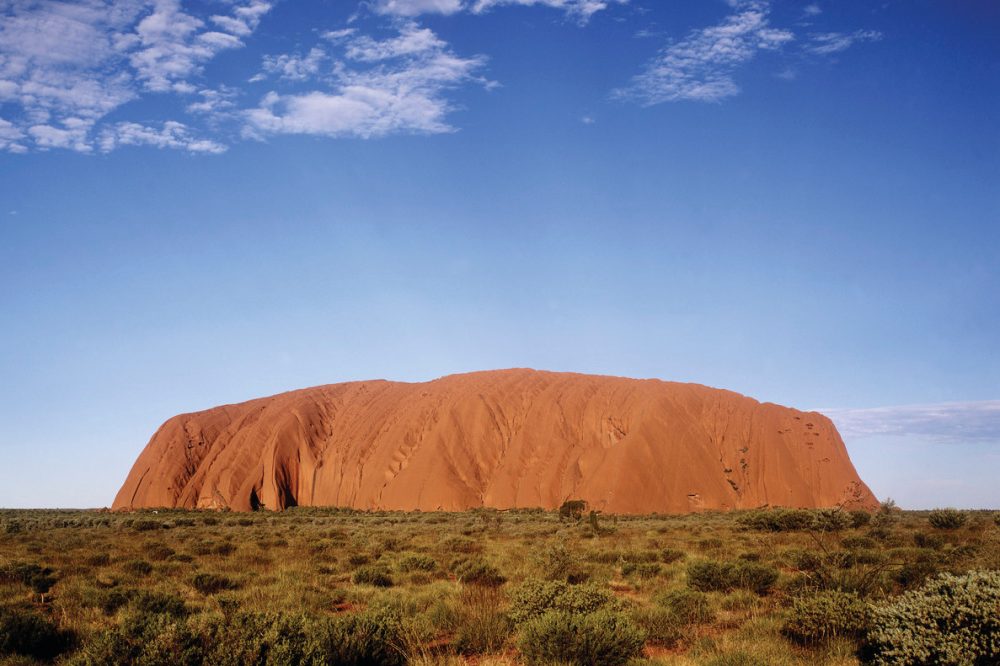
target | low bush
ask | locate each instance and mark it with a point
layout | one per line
(858, 542)
(947, 519)
(824, 615)
(358, 559)
(373, 574)
(860, 518)
(24, 631)
(142, 640)
(709, 575)
(482, 625)
(689, 606)
(778, 520)
(38, 578)
(602, 638)
(641, 569)
(212, 583)
(137, 568)
(417, 562)
(663, 628)
(951, 620)
(923, 540)
(146, 525)
(831, 520)
(98, 560)
(713, 576)
(754, 576)
(533, 598)
(143, 601)
(478, 572)
(671, 555)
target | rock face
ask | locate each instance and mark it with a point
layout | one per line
(507, 438)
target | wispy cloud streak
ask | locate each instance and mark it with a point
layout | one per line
(700, 67)
(950, 422)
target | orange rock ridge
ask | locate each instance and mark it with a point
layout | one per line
(504, 439)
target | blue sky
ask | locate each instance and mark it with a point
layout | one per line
(206, 202)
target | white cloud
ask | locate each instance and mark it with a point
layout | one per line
(411, 41)
(291, 66)
(245, 18)
(396, 85)
(172, 46)
(582, 10)
(417, 7)
(10, 137)
(170, 134)
(828, 43)
(66, 65)
(700, 66)
(214, 102)
(812, 10)
(72, 135)
(338, 35)
(955, 422)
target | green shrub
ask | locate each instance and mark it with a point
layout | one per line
(358, 559)
(137, 567)
(142, 640)
(689, 606)
(858, 542)
(478, 572)
(482, 625)
(950, 620)
(158, 552)
(98, 560)
(26, 632)
(458, 544)
(533, 598)
(824, 615)
(142, 601)
(831, 520)
(662, 627)
(38, 578)
(778, 520)
(754, 576)
(146, 525)
(641, 569)
(860, 518)
(371, 638)
(602, 638)
(417, 562)
(265, 638)
(373, 574)
(713, 576)
(558, 563)
(671, 555)
(947, 519)
(212, 583)
(933, 541)
(709, 575)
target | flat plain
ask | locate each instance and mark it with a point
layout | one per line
(488, 587)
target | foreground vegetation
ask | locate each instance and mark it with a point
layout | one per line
(318, 586)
